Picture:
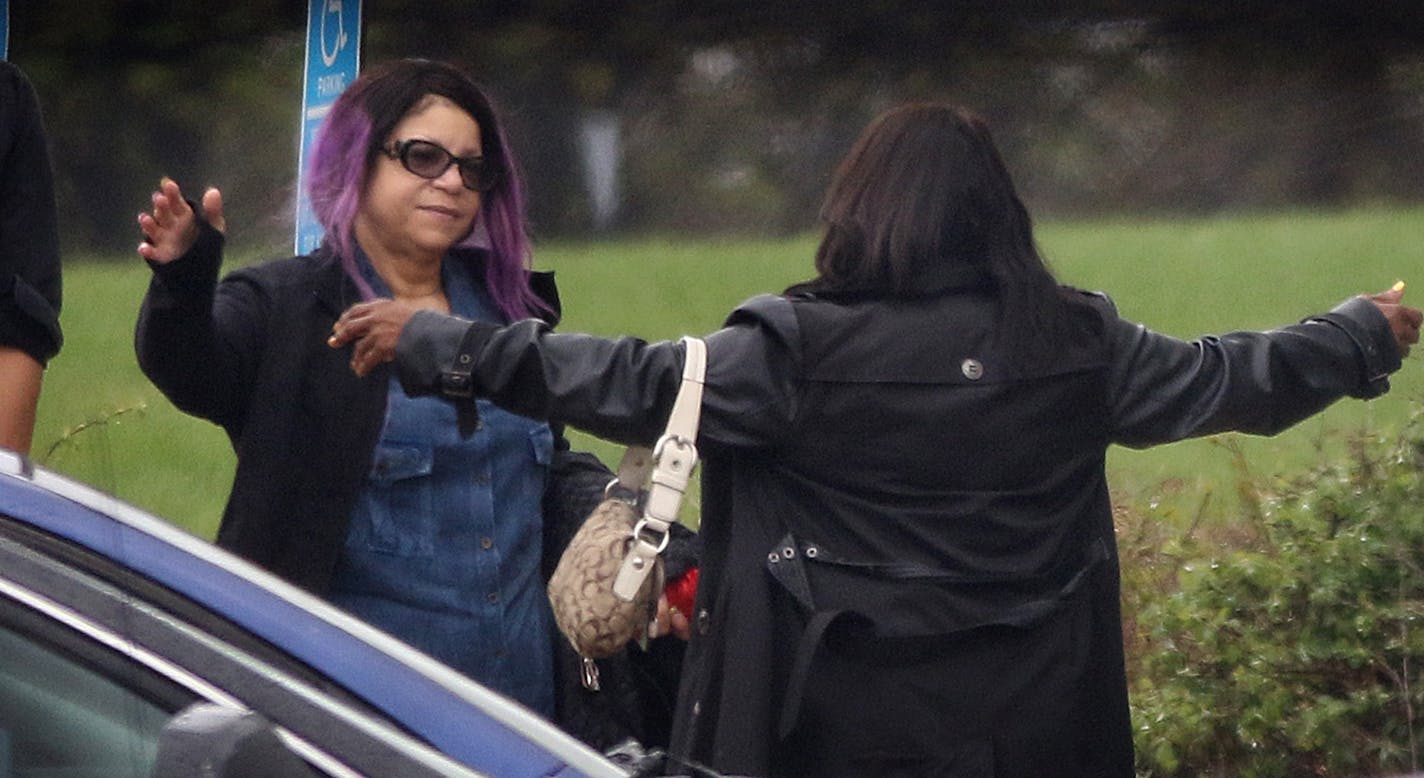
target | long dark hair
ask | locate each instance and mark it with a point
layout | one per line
(345, 153)
(921, 199)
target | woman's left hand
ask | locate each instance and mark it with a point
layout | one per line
(375, 327)
(1403, 321)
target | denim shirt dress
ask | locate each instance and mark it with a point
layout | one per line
(446, 537)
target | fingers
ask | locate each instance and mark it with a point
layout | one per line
(375, 328)
(669, 621)
(374, 341)
(1391, 296)
(146, 249)
(353, 324)
(679, 624)
(213, 209)
(659, 625)
(168, 229)
(369, 354)
(1405, 323)
(1412, 317)
(1408, 334)
(168, 205)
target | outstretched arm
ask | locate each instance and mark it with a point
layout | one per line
(1163, 389)
(620, 389)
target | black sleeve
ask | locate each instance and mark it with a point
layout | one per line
(199, 340)
(30, 290)
(620, 389)
(1164, 389)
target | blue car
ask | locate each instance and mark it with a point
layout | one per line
(132, 649)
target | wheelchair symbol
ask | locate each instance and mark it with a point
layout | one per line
(331, 8)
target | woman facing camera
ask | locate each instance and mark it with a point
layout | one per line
(430, 519)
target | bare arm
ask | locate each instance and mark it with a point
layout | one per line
(20, 377)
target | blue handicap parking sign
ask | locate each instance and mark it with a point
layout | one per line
(333, 59)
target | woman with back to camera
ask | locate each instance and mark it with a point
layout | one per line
(428, 521)
(910, 566)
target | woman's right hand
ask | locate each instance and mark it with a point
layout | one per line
(172, 228)
(375, 326)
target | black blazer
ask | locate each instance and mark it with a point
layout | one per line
(250, 355)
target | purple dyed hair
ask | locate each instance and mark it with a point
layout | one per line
(345, 152)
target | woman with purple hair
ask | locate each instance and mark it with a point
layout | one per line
(430, 523)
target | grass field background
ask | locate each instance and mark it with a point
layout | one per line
(102, 422)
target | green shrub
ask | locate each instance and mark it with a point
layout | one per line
(1293, 646)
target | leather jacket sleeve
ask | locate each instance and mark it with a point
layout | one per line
(619, 389)
(1162, 389)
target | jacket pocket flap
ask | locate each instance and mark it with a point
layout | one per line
(397, 461)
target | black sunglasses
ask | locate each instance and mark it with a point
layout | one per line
(431, 160)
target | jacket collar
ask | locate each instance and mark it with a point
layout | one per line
(333, 288)
(941, 280)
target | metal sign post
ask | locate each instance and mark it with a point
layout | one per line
(4, 28)
(333, 59)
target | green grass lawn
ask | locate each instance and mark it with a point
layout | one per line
(102, 422)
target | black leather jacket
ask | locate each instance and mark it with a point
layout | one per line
(889, 468)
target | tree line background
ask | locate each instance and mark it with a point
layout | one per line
(729, 115)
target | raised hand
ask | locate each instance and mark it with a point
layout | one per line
(172, 228)
(1403, 320)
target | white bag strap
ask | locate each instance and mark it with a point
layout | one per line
(673, 460)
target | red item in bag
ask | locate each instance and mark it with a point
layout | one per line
(681, 592)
